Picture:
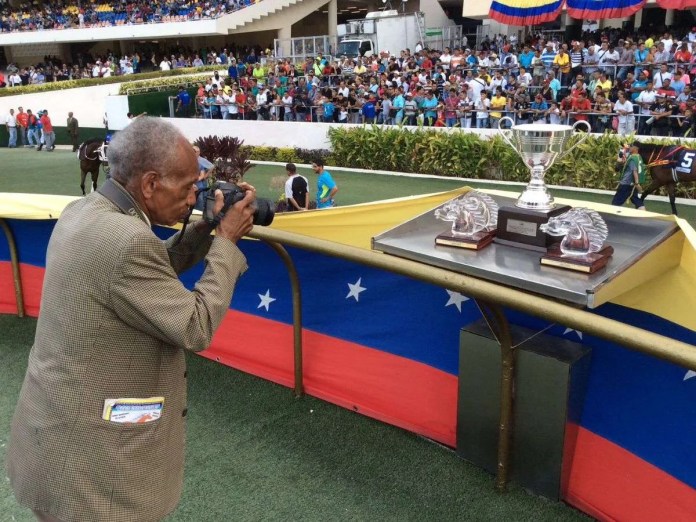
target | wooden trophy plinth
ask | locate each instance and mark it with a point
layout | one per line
(474, 242)
(587, 264)
(520, 227)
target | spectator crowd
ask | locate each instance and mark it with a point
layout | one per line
(72, 14)
(617, 82)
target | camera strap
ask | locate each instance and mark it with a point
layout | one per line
(114, 192)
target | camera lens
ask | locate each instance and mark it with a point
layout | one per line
(264, 214)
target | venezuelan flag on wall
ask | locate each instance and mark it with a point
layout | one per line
(676, 4)
(525, 12)
(602, 9)
(387, 346)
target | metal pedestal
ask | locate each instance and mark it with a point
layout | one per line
(550, 380)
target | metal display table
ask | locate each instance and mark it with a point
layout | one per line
(520, 268)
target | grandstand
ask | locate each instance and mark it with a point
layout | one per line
(63, 29)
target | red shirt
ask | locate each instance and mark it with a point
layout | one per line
(22, 119)
(46, 123)
(582, 105)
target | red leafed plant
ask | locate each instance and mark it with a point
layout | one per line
(231, 160)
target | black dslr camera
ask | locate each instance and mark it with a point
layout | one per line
(263, 213)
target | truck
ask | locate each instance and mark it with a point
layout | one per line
(380, 32)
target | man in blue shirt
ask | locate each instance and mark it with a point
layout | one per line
(429, 106)
(326, 186)
(368, 109)
(184, 104)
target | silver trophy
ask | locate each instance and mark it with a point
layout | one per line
(539, 145)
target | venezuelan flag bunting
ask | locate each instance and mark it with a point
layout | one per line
(602, 9)
(676, 4)
(525, 12)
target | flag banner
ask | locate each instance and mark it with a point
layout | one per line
(525, 12)
(387, 346)
(676, 4)
(603, 9)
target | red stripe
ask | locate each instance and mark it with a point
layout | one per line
(610, 483)
(602, 14)
(32, 283)
(386, 387)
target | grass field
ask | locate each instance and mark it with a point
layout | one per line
(29, 171)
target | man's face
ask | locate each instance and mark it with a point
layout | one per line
(174, 192)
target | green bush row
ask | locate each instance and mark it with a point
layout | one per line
(290, 155)
(91, 82)
(467, 155)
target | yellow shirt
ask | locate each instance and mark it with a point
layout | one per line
(649, 43)
(606, 86)
(563, 62)
(497, 102)
(360, 69)
(258, 73)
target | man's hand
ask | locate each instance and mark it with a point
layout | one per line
(238, 219)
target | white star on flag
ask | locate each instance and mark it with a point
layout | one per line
(266, 300)
(456, 299)
(355, 290)
(689, 375)
(569, 330)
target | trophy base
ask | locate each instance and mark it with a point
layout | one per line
(520, 227)
(475, 242)
(587, 264)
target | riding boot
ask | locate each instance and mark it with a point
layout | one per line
(40, 146)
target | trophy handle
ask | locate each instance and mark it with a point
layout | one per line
(583, 138)
(506, 133)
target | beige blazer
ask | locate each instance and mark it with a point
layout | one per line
(114, 322)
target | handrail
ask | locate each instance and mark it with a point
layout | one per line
(14, 261)
(631, 337)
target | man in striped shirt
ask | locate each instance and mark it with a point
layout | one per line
(548, 56)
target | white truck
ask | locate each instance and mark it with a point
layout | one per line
(379, 32)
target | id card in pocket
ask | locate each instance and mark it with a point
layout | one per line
(132, 410)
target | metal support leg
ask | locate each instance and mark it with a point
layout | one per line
(500, 327)
(296, 313)
(14, 261)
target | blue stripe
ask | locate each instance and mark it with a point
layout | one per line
(597, 6)
(525, 12)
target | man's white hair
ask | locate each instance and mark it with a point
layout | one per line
(146, 144)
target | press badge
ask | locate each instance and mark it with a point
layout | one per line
(133, 411)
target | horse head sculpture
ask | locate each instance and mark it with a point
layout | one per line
(475, 212)
(584, 231)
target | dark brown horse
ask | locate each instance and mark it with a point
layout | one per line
(92, 155)
(668, 165)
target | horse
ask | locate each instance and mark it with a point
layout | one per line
(92, 155)
(668, 165)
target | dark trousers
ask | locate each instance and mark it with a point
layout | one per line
(625, 192)
(74, 142)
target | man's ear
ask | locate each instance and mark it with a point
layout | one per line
(148, 183)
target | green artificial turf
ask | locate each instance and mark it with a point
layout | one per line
(58, 172)
(254, 452)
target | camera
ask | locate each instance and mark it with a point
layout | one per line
(263, 213)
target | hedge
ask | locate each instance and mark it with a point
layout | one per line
(91, 82)
(467, 155)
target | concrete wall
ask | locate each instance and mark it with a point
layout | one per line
(87, 103)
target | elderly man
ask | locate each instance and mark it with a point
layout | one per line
(99, 429)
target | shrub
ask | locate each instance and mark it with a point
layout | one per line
(132, 80)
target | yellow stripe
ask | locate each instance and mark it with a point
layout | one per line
(526, 4)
